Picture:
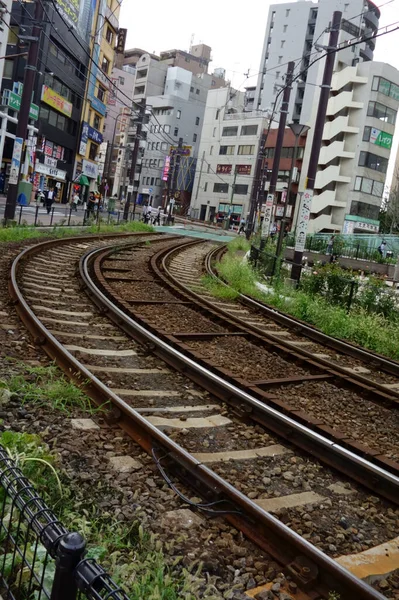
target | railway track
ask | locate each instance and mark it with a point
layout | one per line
(253, 473)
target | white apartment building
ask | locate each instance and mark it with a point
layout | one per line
(357, 143)
(294, 30)
(227, 157)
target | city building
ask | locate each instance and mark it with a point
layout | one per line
(228, 153)
(357, 143)
(58, 94)
(299, 29)
(5, 13)
(106, 39)
(175, 87)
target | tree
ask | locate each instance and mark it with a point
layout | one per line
(389, 214)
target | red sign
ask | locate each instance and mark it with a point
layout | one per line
(243, 169)
(226, 169)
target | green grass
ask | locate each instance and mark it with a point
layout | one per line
(21, 233)
(217, 288)
(44, 386)
(371, 331)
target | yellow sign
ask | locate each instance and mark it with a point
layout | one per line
(50, 97)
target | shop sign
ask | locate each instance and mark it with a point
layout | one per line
(243, 169)
(184, 151)
(102, 78)
(380, 138)
(83, 139)
(13, 100)
(303, 220)
(50, 162)
(166, 169)
(90, 169)
(16, 161)
(225, 169)
(98, 105)
(95, 135)
(50, 171)
(350, 226)
(70, 10)
(50, 97)
(268, 215)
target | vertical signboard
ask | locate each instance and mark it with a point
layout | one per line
(268, 215)
(16, 161)
(303, 220)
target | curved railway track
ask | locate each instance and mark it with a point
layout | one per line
(157, 407)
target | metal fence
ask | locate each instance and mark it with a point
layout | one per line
(66, 216)
(40, 558)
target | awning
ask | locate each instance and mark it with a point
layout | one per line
(83, 180)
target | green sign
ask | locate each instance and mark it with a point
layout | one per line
(380, 138)
(14, 102)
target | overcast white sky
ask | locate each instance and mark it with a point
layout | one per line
(234, 31)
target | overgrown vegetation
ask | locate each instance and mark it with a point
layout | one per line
(133, 557)
(21, 233)
(372, 321)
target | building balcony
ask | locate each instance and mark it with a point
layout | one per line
(371, 20)
(343, 100)
(348, 75)
(330, 175)
(256, 114)
(339, 125)
(366, 53)
(321, 201)
(334, 150)
(323, 222)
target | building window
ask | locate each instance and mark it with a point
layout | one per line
(365, 210)
(8, 69)
(197, 91)
(385, 87)
(152, 181)
(285, 28)
(13, 36)
(221, 188)
(93, 151)
(194, 137)
(96, 121)
(214, 132)
(178, 114)
(372, 161)
(369, 186)
(158, 181)
(105, 64)
(166, 128)
(101, 93)
(164, 145)
(217, 114)
(249, 130)
(240, 189)
(287, 13)
(176, 131)
(229, 131)
(211, 151)
(157, 145)
(246, 150)
(205, 186)
(208, 170)
(160, 162)
(282, 43)
(109, 36)
(122, 80)
(226, 150)
(280, 60)
(197, 121)
(381, 112)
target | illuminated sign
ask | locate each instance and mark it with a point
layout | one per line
(50, 97)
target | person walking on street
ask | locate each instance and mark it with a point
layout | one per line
(242, 226)
(75, 202)
(382, 248)
(49, 199)
(330, 245)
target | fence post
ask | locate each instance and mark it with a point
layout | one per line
(70, 214)
(52, 216)
(119, 216)
(70, 552)
(36, 213)
(357, 250)
(351, 294)
(20, 215)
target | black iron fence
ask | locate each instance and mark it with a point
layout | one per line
(40, 558)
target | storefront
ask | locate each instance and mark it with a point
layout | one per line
(47, 177)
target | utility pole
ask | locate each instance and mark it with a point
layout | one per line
(277, 152)
(306, 202)
(175, 174)
(233, 188)
(23, 117)
(139, 127)
(200, 174)
(257, 186)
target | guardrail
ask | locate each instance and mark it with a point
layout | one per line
(40, 557)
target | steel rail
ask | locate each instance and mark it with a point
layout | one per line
(377, 360)
(285, 545)
(368, 474)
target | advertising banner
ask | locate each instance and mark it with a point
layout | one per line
(16, 161)
(95, 135)
(166, 168)
(70, 10)
(84, 139)
(226, 169)
(243, 169)
(90, 169)
(380, 138)
(303, 220)
(50, 97)
(268, 215)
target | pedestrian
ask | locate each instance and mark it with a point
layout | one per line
(273, 231)
(144, 212)
(112, 204)
(157, 217)
(49, 199)
(75, 202)
(382, 248)
(330, 245)
(91, 204)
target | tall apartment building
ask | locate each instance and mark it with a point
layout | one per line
(293, 31)
(175, 87)
(227, 157)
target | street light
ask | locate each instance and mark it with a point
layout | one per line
(298, 130)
